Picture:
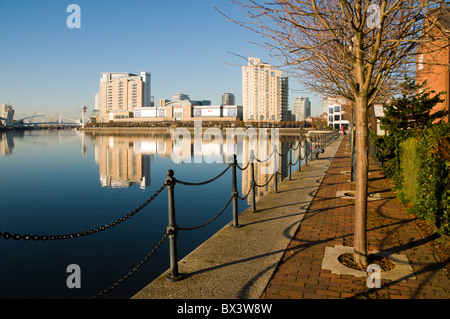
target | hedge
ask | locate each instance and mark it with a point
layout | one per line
(425, 167)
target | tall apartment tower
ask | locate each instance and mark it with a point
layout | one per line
(302, 108)
(228, 99)
(264, 92)
(121, 93)
(146, 79)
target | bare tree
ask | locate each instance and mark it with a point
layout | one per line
(355, 49)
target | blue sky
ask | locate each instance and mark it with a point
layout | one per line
(48, 68)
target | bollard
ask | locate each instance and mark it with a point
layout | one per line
(290, 160)
(253, 183)
(172, 228)
(306, 151)
(299, 154)
(275, 182)
(234, 193)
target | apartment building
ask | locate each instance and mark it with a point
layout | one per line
(302, 108)
(228, 99)
(121, 93)
(434, 63)
(264, 92)
(335, 110)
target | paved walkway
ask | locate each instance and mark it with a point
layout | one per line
(329, 222)
(237, 263)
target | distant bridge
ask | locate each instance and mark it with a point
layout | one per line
(54, 120)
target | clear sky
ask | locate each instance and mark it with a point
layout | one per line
(48, 68)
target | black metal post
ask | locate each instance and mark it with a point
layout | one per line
(290, 160)
(275, 182)
(306, 151)
(253, 183)
(234, 193)
(172, 228)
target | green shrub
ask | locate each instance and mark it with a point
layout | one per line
(410, 164)
(433, 202)
(425, 167)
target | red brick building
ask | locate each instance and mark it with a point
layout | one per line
(434, 62)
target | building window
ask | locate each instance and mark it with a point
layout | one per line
(330, 110)
(336, 117)
(337, 108)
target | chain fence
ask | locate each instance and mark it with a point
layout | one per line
(172, 230)
(118, 221)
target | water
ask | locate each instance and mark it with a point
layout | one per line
(56, 182)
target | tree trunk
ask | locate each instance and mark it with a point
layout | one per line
(362, 166)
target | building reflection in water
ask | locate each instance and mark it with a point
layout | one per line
(6, 143)
(125, 159)
(120, 165)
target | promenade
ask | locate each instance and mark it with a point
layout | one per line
(237, 263)
(329, 223)
(283, 250)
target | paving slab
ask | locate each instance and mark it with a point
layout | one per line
(238, 263)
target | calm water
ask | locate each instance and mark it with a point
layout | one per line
(63, 182)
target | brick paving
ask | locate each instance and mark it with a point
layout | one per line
(329, 222)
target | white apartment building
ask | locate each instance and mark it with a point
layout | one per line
(302, 108)
(264, 92)
(336, 116)
(121, 93)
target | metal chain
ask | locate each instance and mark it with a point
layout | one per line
(296, 148)
(211, 220)
(302, 157)
(282, 155)
(267, 181)
(249, 190)
(243, 169)
(282, 173)
(136, 268)
(7, 235)
(263, 161)
(205, 182)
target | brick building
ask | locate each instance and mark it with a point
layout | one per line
(434, 62)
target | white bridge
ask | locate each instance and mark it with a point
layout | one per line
(7, 119)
